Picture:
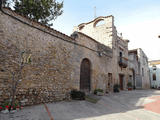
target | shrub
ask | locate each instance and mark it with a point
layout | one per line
(116, 88)
(129, 84)
(98, 90)
(1, 108)
(7, 105)
(77, 95)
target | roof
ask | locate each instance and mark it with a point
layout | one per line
(133, 51)
(154, 62)
(89, 37)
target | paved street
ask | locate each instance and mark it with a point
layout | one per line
(126, 105)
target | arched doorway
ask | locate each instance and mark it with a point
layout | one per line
(85, 75)
(132, 78)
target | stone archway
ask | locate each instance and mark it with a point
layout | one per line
(85, 82)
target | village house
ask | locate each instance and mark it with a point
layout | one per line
(139, 70)
(154, 67)
(93, 57)
(103, 30)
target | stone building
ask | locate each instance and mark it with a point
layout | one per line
(59, 63)
(154, 67)
(138, 69)
(103, 30)
(93, 57)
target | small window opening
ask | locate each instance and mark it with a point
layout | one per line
(120, 54)
(2, 70)
(154, 77)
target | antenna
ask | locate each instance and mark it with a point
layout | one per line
(95, 12)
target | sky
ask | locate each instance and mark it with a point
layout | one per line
(137, 20)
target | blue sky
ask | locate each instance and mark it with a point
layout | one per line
(137, 20)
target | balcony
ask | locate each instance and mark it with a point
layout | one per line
(123, 62)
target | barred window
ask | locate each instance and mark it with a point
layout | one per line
(154, 76)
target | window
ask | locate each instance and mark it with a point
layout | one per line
(154, 76)
(130, 76)
(120, 54)
(109, 79)
(154, 67)
(120, 57)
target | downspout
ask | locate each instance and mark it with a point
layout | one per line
(0, 4)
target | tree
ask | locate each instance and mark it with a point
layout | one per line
(43, 11)
(12, 62)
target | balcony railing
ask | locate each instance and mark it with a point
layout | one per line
(123, 62)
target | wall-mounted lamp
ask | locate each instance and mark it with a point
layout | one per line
(100, 54)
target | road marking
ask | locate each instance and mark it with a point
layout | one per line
(49, 113)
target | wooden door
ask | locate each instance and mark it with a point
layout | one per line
(109, 81)
(121, 81)
(85, 75)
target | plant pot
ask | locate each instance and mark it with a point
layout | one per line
(5, 111)
(116, 90)
(129, 89)
(100, 93)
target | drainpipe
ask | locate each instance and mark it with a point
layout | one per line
(0, 4)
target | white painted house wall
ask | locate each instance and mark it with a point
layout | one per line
(155, 83)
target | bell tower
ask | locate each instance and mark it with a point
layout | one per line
(101, 29)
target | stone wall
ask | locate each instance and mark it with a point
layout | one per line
(47, 78)
(144, 69)
(55, 60)
(133, 65)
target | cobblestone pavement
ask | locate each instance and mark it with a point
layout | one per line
(126, 105)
